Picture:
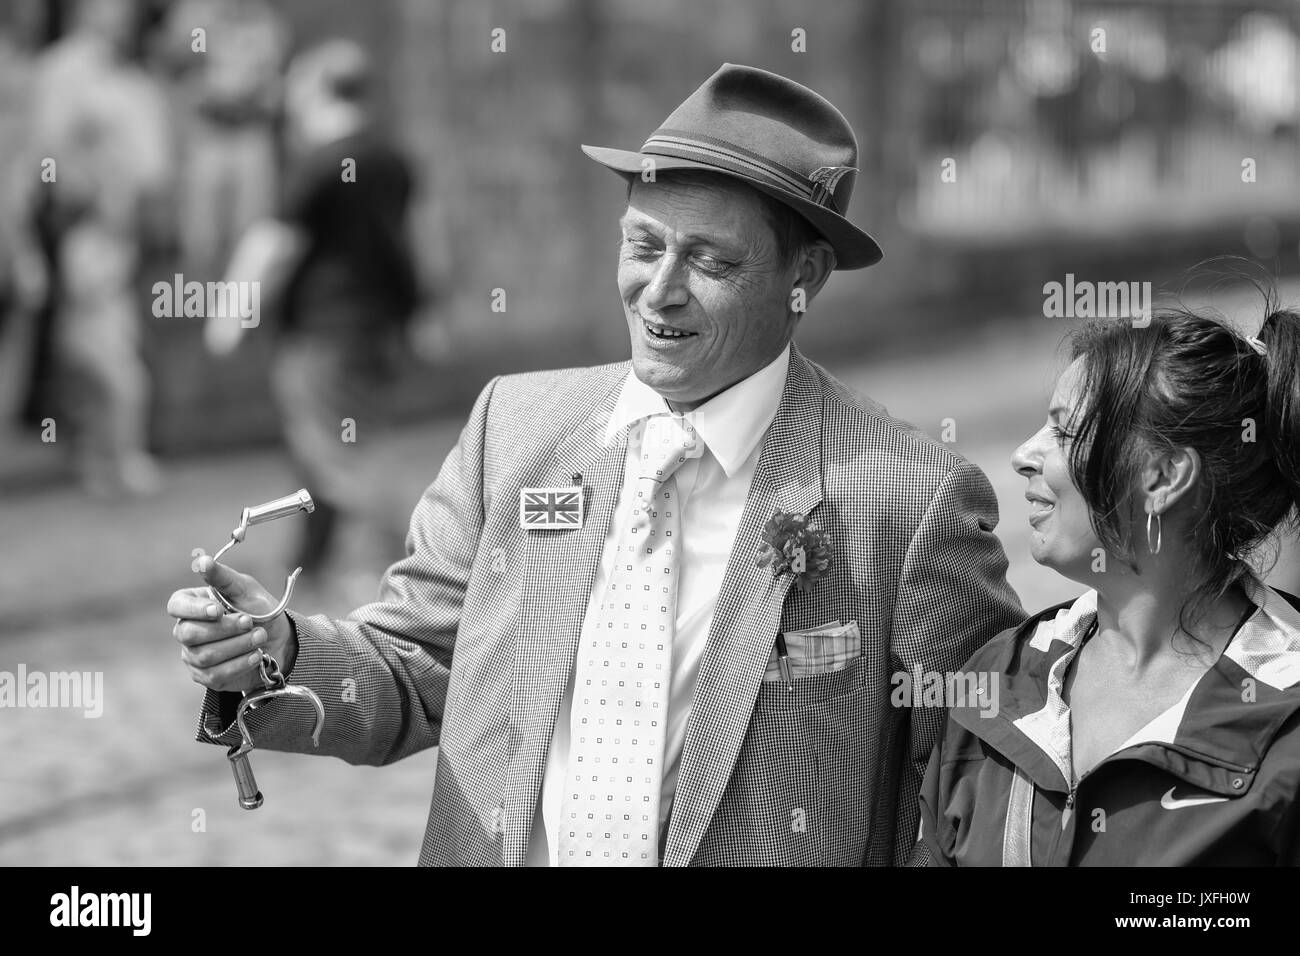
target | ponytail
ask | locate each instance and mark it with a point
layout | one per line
(1281, 338)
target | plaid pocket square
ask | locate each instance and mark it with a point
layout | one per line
(822, 650)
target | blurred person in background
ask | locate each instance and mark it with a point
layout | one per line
(232, 95)
(24, 273)
(104, 123)
(337, 262)
(1155, 720)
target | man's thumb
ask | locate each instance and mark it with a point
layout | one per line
(222, 577)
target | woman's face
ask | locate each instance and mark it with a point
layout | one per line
(1062, 536)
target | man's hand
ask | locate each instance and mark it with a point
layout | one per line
(222, 650)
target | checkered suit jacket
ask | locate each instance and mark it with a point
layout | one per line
(472, 641)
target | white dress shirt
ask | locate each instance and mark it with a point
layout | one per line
(712, 490)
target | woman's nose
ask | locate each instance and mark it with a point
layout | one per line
(1027, 460)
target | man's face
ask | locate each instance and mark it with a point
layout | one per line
(706, 298)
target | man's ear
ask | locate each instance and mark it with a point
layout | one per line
(813, 268)
(1168, 476)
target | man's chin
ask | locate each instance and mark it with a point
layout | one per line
(671, 381)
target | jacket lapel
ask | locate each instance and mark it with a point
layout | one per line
(788, 478)
(559, 572)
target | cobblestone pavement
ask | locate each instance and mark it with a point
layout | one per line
(83, 587)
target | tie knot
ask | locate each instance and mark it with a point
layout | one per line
(666, 443)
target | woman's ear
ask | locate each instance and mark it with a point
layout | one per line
(1169, 476)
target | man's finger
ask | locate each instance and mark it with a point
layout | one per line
(198, 633)
(196, 604)
(218, 652)
(228, 676)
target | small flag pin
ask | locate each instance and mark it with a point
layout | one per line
(550, 508)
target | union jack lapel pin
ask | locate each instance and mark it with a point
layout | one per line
(543, 509)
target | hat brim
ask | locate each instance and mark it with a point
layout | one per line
(854, 249)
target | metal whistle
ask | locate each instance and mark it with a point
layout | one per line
(279, 508)
(258, 514)
(250, 798)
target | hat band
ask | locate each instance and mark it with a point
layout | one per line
(727, 156)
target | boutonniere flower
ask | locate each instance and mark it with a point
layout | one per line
(791, 547)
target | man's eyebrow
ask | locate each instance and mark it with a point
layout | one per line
(631, 221)
(717, 242)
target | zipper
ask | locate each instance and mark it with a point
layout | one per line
(1072, 797)
(1054, 853)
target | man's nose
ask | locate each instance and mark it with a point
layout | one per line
(668, 285)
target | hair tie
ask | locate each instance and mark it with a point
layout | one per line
(1257, 345)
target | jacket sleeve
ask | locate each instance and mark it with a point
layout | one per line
(382, 673)
(1283, 753)
(930, 850)
(953, 598)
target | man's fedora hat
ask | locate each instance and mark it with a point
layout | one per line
(771, 133)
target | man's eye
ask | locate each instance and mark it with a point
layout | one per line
(710, 264)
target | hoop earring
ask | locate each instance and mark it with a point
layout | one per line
(1160, 533)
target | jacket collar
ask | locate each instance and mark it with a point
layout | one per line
(1217, 733)
(788, 477)
(561, 566)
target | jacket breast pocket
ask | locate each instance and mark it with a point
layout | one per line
(812, 689)
(813, 743)
(812, 656)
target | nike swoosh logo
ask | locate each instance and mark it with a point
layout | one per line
(1169, 803)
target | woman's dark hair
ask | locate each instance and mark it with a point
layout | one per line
(1188, 380)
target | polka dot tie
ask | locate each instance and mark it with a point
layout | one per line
(610, 812)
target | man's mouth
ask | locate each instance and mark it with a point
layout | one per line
(666, 332)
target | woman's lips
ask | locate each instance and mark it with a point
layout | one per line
(1039, 508)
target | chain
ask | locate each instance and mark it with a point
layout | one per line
(269, 668)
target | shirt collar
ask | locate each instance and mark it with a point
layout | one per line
(1266, 646)
(731, 423)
